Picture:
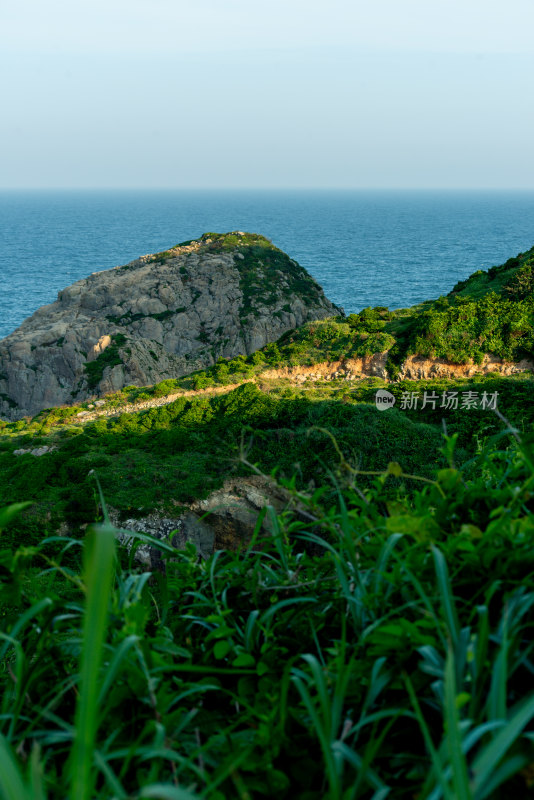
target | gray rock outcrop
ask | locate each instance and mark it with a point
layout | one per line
(232, 511)
(161, 316)
(176, 531)
(225, 520)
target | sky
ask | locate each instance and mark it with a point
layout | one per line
(199, 94)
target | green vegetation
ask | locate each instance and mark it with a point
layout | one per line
(168, 456)
(128, 318)
(268, 275)
(501, 279)
(465, 330)
(338, 338)
(377, 646)
(491, 312)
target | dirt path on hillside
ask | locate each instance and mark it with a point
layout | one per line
(157, 402)
(349, 369)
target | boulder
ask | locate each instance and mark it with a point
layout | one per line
(161, 316)
(232, 511)
(225, 520)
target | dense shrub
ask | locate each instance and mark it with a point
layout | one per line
(184, 449)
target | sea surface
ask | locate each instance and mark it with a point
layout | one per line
(365, 248)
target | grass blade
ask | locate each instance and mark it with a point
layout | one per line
(12, 785)
(486, 763)
(436, 763)
(99, 569)
(460, 776)
(449, 609)
(162, 791)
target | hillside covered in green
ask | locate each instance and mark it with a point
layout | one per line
(375, 643)
(490, 313)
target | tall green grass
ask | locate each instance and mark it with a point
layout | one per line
(373, 646)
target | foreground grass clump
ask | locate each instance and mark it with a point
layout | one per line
(373, 647)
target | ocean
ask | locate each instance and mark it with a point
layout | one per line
(365, 248)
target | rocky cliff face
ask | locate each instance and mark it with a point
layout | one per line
(161, 316)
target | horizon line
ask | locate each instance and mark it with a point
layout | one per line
(267, 188)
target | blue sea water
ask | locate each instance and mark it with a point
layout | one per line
(365, 248)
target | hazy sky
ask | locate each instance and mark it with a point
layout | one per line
(284, 93)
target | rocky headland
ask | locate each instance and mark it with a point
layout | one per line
(161, 316)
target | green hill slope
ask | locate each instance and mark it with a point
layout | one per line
(513, 279)
(375, 641)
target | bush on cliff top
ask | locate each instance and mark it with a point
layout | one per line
(500, 279)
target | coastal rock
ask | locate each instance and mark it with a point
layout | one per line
(161, 316)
